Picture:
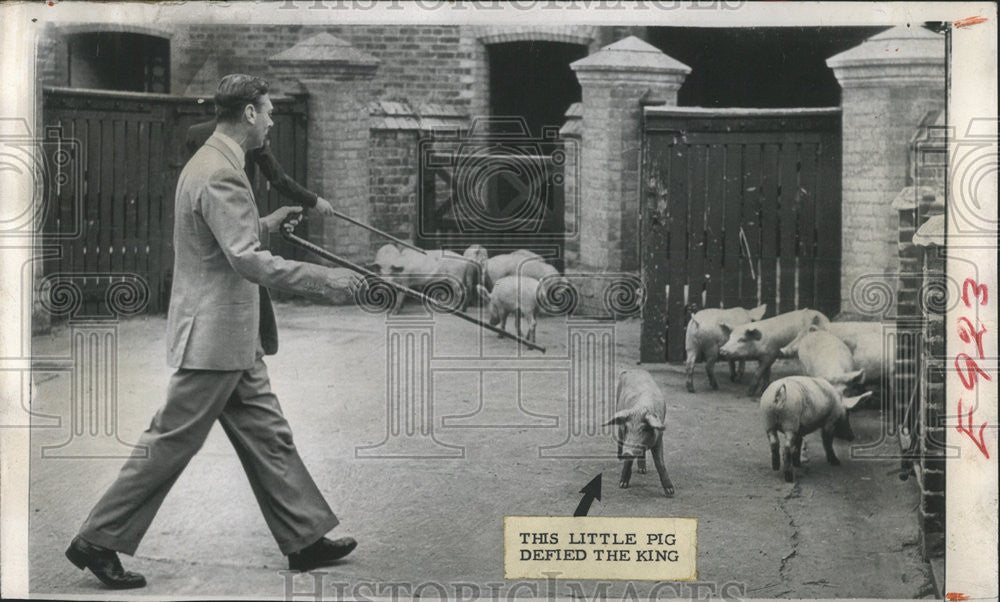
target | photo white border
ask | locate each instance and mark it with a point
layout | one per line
(971, 482)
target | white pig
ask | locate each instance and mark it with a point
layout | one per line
(513, 295)
(798, 405)
(865, 341)
(704, 336)
(825, 356)
(519, 263)
(763, 340)
(640, 412)
(419, 271)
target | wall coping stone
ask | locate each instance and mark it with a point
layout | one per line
(931, 233)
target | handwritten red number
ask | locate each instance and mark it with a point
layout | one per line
(978, 290)
(968, 334)
(969, 379)
(967, 430)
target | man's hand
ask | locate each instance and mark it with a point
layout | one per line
(273, 222)
(324, 207)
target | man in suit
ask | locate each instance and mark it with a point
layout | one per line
(262, 158)
(219, 326)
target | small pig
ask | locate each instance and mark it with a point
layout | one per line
(513, 295)
(705, 335)
(519, 263)
(640, 411)
(825, 356)
(763, 341)
(797, 406)
(419, 271)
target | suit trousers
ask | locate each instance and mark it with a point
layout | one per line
(293, 507)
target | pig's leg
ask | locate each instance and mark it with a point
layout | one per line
(742, 367)
(641, 463)
(828, 448)
(657, 452)
(692, 357)
(626, 473)
(796, 449)
(772, 438)
(503, 324)
(786, 464)
(517, 321)
(711, 354)
(762, 376)
(532, 324)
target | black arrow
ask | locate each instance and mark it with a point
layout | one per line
(590, 491)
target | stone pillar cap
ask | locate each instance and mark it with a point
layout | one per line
(903, 44)
(931, 233)
(324, 49)
(631, 54)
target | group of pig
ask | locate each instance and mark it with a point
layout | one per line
(509, 284)
(835, 357)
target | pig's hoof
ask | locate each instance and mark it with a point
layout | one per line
(690, 388)
(623, 484)
(833, 461)
(668, 490)
(715, 385)
(641, 469)
(788, 476)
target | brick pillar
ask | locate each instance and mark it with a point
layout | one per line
(613, 82)
(889, 82)
(337, 77)
(930, 469)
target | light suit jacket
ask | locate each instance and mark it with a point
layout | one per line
(218, 303)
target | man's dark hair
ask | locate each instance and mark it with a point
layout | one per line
(236, 91)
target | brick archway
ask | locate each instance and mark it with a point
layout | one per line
(583, 36)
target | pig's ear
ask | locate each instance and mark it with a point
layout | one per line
(814, 328)
(856, 378)
(780, 395)
(819, 320)
(725, 328)
(485, 294)
(851, 402)
(618, 418)
(754, 334)
(654, 422)
(758, 312)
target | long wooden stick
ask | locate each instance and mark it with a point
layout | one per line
(288, 233)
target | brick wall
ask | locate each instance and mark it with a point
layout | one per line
(393, 182)
(920, 320)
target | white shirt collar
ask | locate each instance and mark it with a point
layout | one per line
(232, 144)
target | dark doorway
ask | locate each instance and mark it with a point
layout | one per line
(533, 80)
(767, 67)
(111, 60)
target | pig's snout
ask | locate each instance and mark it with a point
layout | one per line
(631, 452)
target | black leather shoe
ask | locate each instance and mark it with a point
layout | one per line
(322, 553)
(103, 563)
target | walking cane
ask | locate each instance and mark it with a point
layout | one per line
(288, 233)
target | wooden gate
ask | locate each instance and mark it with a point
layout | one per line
(739, 207)
(117, 217)
(504, 191)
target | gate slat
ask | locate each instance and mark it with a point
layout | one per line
(95, 191)
(143, 203)
(119, 232)
(828, 224)
(769, 226)
(696, 204)
(677, 275)
(732, 264)
(788, 199)
(157, 199)
(655, 233)
(807, 226)
(751, 192)
(715, 191)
